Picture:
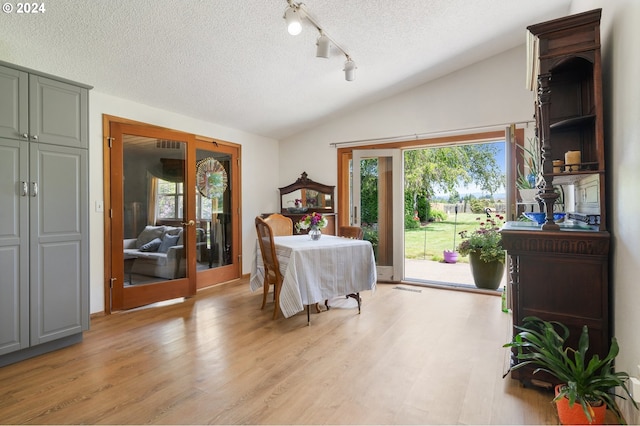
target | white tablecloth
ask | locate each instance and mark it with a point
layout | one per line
(314, 271)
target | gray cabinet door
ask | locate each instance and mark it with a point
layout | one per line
(58, 112)
(59, 243)
(14, 246)
(14, 98)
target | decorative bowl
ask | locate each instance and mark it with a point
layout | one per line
(540, 218)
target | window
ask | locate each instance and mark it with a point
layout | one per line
(169, 203)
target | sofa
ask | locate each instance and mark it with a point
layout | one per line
(156, 252)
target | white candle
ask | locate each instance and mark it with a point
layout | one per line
(572, 161)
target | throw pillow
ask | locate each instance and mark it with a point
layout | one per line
(168, 241)
(152, 245)
(149, 233)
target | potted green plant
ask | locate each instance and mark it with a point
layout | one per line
(586, 383)
(527, 183)
(485, 251)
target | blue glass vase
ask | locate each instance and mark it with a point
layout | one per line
(531, 178)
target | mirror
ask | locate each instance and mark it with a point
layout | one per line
(306, 195)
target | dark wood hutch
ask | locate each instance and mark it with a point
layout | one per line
(313, 197)
(559, 271)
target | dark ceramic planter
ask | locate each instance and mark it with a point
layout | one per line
(486, 275)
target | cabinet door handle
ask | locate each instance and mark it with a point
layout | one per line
(25, 188)
(25, 135)
(34, 189)
(34, 137)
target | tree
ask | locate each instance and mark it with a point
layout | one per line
(369, 190)
(429, 170)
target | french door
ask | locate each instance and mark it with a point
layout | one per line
(152, 209)
(378, 207)
(217, 243)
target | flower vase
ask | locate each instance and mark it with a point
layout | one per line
(315, 233)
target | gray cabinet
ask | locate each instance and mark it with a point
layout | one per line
(44, 244)
(39, 108)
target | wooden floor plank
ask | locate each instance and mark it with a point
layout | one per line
(428, 356)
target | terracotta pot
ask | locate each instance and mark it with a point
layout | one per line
(575, 415)
(486, 275)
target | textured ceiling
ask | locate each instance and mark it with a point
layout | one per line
(234, 64)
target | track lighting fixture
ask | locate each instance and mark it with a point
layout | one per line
(349, 69)
(294, 14)
(323, 44)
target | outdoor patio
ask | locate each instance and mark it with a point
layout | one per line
(450, 274)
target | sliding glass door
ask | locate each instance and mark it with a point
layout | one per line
(377, 206)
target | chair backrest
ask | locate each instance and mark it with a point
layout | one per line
(354, 232)
(280, 225)
(267, 247)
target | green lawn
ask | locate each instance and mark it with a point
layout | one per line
(428, 242)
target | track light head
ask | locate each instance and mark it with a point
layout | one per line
(349, 70)
(292, 16)
(323, 44)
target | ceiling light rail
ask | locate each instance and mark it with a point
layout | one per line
(417, 136)
(294, 14)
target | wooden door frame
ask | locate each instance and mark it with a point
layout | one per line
(230, 273)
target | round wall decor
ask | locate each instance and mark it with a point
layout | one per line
(211, 177)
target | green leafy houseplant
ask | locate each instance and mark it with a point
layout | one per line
(532, 156)
(543, 344)
(485, 240)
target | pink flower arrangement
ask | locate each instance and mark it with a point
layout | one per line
(312, 220)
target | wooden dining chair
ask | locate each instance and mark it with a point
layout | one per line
(280, 225)
(272, 275)
(354, 232)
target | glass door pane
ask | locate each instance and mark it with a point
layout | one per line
(213, 210)
(378, 207)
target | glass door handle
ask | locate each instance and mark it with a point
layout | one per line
(190, 223)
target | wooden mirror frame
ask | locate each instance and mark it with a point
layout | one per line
(304, 184)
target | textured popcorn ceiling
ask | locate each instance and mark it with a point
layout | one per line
(234, 64)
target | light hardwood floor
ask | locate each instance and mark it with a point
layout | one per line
(430, 356)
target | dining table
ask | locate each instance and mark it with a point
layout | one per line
(314, 271)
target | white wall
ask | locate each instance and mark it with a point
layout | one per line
(488, 93)
(259, 159)
(491, 92)
(620, 39)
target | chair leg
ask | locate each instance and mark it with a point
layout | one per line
(264, 293)
(276, 300)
